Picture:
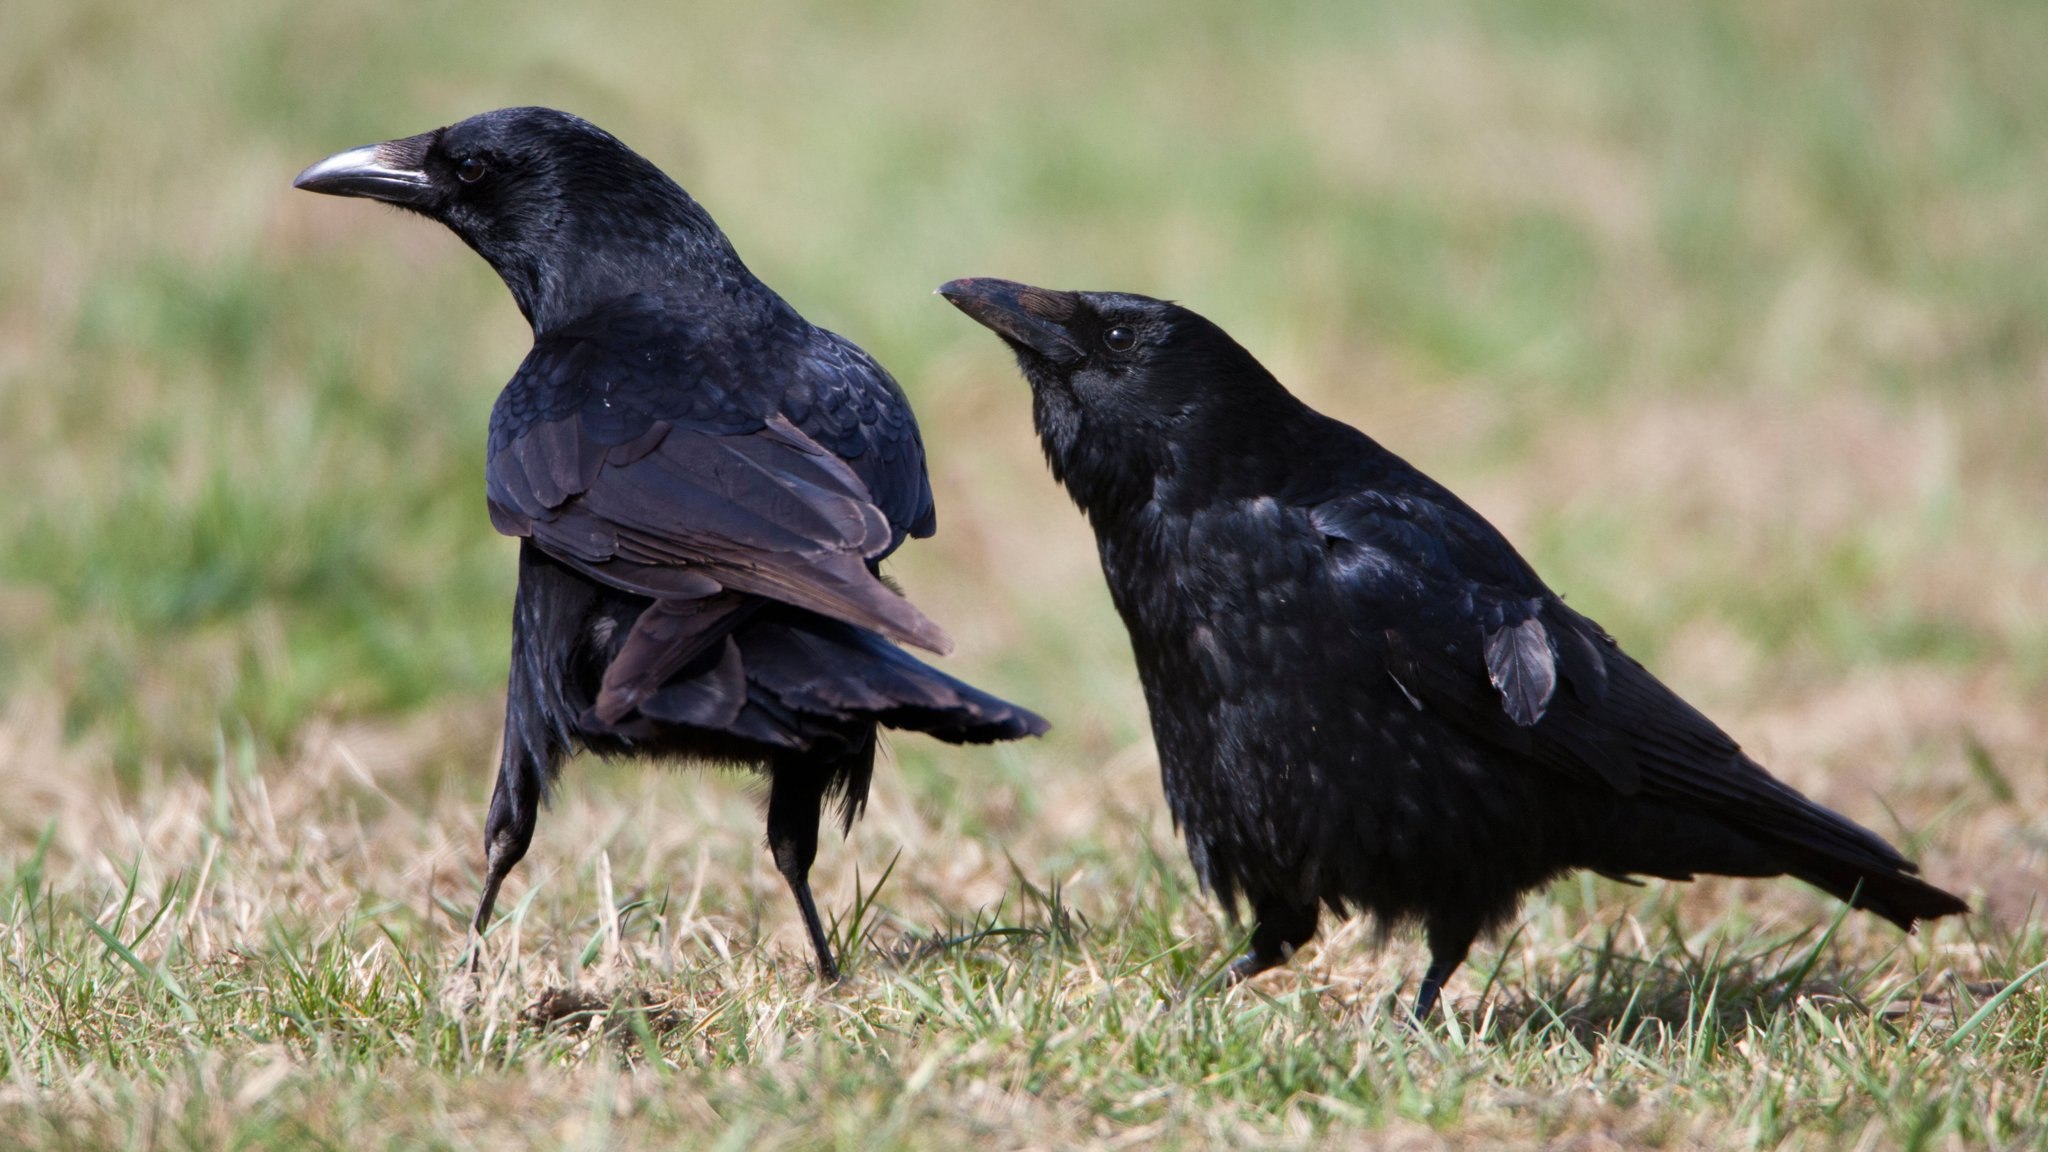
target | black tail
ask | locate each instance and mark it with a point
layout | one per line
(1850, 862)
(1777, 833)
(1892, 892)
(789, 677)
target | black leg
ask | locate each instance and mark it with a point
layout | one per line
(796, 792)
(1280, 930)
(507, 835)
(545, 617)
(508, 831)
(1448, 944)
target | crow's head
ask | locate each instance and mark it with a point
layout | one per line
(1126, 388)
(567, 214)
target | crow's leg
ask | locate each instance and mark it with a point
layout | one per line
(506, 836)
(796, 792)
(1282, 927)
(546, 615)
(1449, 941)
(523, 772)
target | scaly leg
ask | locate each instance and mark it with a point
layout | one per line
(1281, 929)
(796, 793)
(1448, 944)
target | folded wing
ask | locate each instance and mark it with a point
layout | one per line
(1468, 630)
(696, 513)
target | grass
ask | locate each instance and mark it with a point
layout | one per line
(1731, 315)
(267, 957)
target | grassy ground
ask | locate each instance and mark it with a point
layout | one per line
(1734, 316)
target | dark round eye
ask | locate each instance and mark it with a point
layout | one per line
(470, 171)
(1120, 339)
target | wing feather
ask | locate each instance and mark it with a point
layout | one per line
(1470, 631)
(626, 448)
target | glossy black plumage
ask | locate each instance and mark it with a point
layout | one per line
(1363, 697)
(704, 484)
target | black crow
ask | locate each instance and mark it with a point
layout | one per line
(1362, 696)
(703, 484)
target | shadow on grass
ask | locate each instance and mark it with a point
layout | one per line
(1720, 993)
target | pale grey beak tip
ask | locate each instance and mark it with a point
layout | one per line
(365, 172)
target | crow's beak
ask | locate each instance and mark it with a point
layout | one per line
(391, 171)
(1034, 318)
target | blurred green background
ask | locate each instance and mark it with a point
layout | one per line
(1734, 315)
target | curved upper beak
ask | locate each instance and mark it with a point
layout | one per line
(1034, 318)
(390, 171)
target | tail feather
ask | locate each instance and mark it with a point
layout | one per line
(1850, 862)
(825, 667)
(806, 675)
(1894, 893)
(1795, 837)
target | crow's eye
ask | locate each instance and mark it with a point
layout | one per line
(1119, 339)
(470, 171)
